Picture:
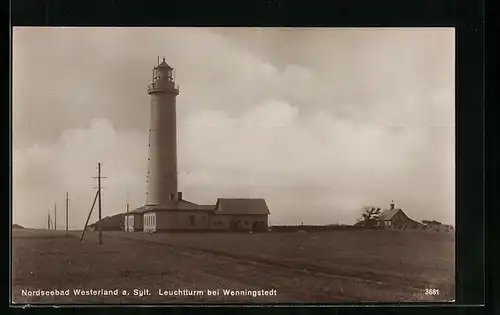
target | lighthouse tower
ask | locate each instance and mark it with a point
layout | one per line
(162, 161)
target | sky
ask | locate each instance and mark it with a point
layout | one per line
(319, 122)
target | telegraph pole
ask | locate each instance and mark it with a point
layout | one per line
(55, 216)
(99, 177)
(67, 207)
(99, 201)
(48, 220)
(126, 216)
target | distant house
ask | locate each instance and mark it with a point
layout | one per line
(111, 223)
(227, 214)
(437, 226)
(397, 219)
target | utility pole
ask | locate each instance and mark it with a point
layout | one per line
(67, 206)
(99, 188)
(51, 222)
(126, 216)
(99, 201)
(55, 216)
(48, 220)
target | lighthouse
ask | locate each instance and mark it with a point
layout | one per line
(165, 208)
(162, 160)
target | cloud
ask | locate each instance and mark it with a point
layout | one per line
(43, 174)
(314, 162)
(319, 125)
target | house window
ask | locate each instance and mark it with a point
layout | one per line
(191, 220)
(387, 223)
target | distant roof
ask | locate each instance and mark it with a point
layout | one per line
(388, 214)
(116, 219)
(241, 206)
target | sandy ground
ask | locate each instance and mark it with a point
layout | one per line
(320, 267)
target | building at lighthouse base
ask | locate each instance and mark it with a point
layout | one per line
(228, 214)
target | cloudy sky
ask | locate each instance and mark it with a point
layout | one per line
(320, 122)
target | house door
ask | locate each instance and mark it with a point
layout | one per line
(235, 224)
(259, 226)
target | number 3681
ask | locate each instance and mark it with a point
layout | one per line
(431, 291)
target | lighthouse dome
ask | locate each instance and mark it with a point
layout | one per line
(165, 65)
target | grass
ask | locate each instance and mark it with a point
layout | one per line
(321, 267)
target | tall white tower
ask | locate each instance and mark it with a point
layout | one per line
(162, 161)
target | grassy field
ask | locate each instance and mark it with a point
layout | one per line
(313, 267)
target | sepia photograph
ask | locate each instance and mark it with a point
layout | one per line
(233, 165)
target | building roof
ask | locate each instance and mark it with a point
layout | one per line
(223, 206)
(140, 210)
(388, 214)
(181, 205)
(241, 206)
